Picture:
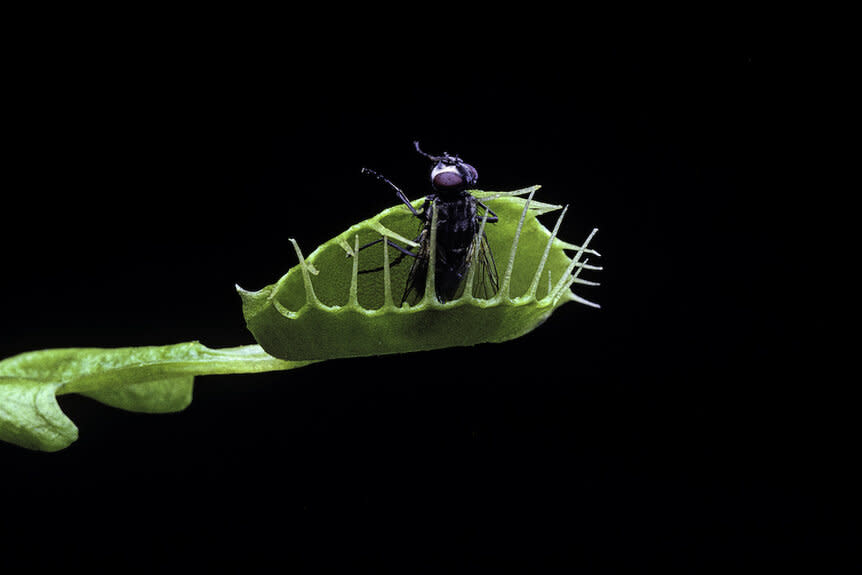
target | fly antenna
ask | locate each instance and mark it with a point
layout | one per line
(429, 156)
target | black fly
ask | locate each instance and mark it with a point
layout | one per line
(458, 222)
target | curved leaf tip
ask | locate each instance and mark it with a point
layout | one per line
(30, 416)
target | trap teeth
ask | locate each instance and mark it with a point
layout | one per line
(507, 276)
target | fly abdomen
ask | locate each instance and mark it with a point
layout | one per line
(449, 276)
(456, 232)
(456, 223)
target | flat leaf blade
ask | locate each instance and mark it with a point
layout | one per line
(149, 379)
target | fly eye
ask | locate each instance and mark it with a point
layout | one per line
(447, 180)
(453, 177)
(447, 177)
(470, 174)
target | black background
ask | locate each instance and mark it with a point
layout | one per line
(692, 421)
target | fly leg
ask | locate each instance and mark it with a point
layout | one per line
(492, 217)
(401, 195)
(404, 252)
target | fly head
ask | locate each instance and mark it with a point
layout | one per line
(450, 174)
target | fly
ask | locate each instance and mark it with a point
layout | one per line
(458, 224)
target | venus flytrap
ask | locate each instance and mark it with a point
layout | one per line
(322, 308)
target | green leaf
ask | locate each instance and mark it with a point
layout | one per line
(30, 416)
(323, 308)
(157, 379)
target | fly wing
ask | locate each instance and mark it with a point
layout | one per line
(487, 282)
(414, 289)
